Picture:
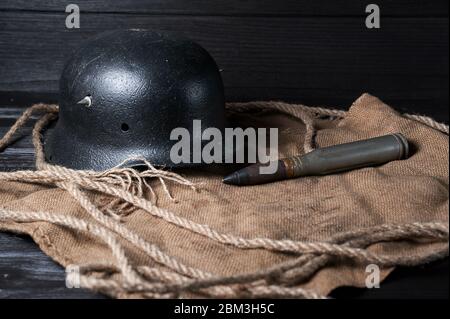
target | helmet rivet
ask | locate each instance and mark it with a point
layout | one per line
(86, 101)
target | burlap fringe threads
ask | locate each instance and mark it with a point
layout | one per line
(176, 279)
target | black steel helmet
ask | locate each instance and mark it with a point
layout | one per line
(123, 92)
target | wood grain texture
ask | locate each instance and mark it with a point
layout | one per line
(311, 52)
(319, 61)
(20, 154)
(425, 282)
(25, 272)
(403, 8)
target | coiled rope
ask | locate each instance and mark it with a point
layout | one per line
(176, 278)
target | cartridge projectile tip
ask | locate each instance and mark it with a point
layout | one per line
(231, 179)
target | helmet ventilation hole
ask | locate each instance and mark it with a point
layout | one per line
(124, 127)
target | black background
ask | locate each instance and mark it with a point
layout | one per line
(310, 52)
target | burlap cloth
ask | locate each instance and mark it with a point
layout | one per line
(306, 209)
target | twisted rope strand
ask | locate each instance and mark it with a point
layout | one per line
(152, 250)
(135, 282)
(26, 115)
(315, 255)
(205, 230)
(321, 111)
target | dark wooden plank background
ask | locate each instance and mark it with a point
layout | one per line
(311, 52)
(249, 8)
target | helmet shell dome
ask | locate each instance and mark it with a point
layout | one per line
(137, 86)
